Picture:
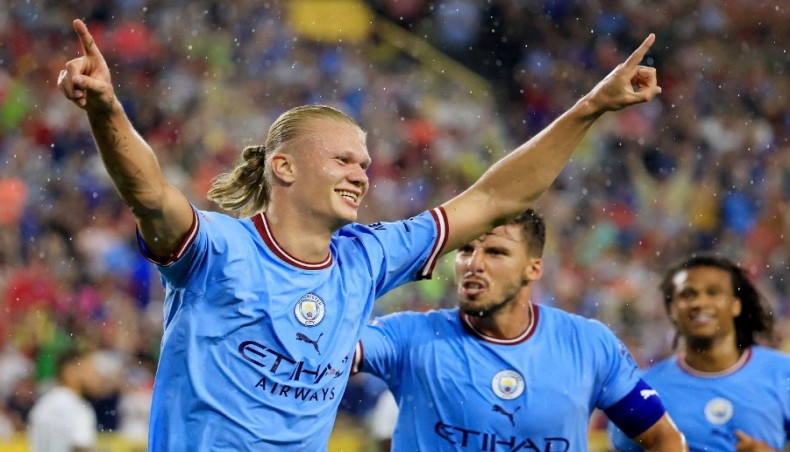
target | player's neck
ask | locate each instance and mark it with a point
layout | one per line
(712, 356)
(509, 322)
(299, 235)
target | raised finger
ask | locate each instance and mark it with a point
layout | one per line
(641, 51)
(86, 40)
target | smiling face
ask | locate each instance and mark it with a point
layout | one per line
(491, 270)
(331, 160)
(704, 306)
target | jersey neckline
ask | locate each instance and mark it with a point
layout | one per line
(262, 225)
(738, 365)
(528, 332)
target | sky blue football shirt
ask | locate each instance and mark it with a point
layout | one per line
(752, 396)
(257, 344)
(459, 390)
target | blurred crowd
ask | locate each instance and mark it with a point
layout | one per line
(705, 167)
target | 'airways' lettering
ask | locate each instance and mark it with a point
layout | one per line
(491, 442)
(263, 356)
(304, 394)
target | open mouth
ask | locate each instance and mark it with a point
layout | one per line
(472, 287)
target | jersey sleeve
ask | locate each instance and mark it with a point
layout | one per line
(618, 371)
(404, 251)
(176, 267)
(381, 347)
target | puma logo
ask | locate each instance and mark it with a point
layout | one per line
(645, 393)
(304, 338)
(509, 415)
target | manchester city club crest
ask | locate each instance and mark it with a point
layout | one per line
(718, 411)
(508, 384)
(310, 310)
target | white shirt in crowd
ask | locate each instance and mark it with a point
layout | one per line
(61, 421)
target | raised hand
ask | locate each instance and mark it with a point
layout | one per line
(628, 84)
(86, 80)
(748, 443)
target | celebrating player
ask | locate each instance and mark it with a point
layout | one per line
(262, 314)
(724, 391)
(501, 373)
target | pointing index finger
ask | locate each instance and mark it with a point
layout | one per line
(640, 52)
(88, 44)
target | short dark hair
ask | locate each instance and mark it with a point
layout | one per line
(66, 357)
(534, 229)
(756, 319)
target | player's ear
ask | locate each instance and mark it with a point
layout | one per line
(283, 167)
(737, 307)
(534, 269)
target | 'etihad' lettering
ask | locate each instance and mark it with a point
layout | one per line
(491, 442)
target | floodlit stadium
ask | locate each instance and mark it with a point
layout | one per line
(443, 88)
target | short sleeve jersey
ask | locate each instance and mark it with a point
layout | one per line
(257, 344)
(752, 396)
(460, 390)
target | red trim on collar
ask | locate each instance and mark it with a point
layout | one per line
(742, 361)
(262, 225)
(531, 328)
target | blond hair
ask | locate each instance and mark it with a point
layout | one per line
(246, 189)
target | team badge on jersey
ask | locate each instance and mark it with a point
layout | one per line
(508, 384)
(309, 310)
(718, 411)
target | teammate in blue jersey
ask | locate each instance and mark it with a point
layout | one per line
(263, 311)
(723, 390)
(502, 374)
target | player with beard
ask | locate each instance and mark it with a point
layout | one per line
(501, 373)
(724, 391)
(263, 308)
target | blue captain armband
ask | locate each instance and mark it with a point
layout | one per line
(637, 411)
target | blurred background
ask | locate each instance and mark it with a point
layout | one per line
(443, 87)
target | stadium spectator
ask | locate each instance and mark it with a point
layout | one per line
(239, 343)
(500, 370)
(220, 69)
(724, 391)
(62, 419)
(381, 420)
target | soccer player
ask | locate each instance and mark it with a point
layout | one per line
(723, 390)
(501, 373)
(263, 312)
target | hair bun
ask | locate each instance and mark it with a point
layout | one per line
(254, 152)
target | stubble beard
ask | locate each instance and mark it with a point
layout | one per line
(485, 312)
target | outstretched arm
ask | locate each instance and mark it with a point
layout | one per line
(163, 213)
(514, 182)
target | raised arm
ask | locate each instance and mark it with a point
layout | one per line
(163, 213)
(514, 182)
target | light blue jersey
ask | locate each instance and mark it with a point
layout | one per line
(257, 344)
(459, 390)
(752, 396)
